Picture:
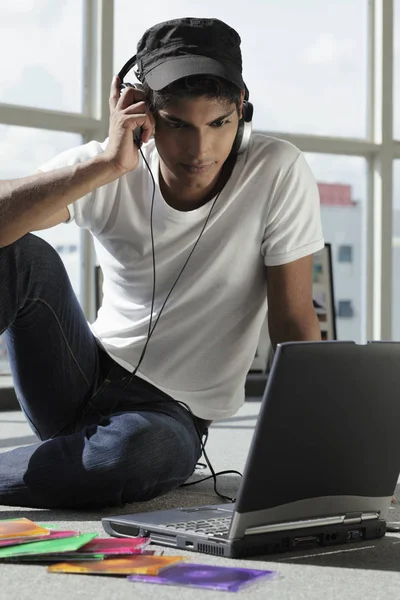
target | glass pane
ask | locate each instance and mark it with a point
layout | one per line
(396, 253)
(41, 42)
(22, 151)
(305, 63)
(342, 182)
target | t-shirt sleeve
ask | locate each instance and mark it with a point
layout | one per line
(293, 228)
(82, 210)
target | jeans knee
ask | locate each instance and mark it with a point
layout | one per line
(29, 268)
(150, 459)
(27, 255)
(31, 247)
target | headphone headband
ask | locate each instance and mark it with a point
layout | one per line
(127, 67)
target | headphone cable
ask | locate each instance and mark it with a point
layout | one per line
(151, 331)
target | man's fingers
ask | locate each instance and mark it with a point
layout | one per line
(128, 97)
(144, 119)
(129, 102)
(114, 93)
(138, 107)
(125, 97)
(147, 130)
(148, 126)
(141, 120)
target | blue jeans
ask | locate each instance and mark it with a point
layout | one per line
(107, 438)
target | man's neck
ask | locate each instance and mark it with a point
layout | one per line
(190, 199)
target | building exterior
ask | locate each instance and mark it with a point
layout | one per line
(343, 226)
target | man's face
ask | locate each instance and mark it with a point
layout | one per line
(194, 137)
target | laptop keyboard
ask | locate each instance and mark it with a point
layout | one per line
(218, 526)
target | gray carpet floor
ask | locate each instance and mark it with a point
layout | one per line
(365, 570)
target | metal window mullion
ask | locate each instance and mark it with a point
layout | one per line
(39, 118)
(98, 71)
(367, 252)
(381, 177)
(367, 227)
(326, 144)
(386, 167)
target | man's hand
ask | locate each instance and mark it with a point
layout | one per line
(127, 111)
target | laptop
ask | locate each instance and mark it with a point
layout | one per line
(322, 466)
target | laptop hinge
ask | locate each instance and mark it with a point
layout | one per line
(347, 519)
(303, 524)
(351, 518)
(370, 516)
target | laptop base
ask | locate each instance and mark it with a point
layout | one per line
(258, 544)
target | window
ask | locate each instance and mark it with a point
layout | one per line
(23, 150)
(42, 49)
(345, 254)
(303, 62)
(342, 186)
(345, 309)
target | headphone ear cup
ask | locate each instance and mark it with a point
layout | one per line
(243, 134)
(137, 86)
(237, 143)
(124, 85)
(137, 134)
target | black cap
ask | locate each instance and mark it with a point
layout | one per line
(175, 49)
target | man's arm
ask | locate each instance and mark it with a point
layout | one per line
(39, 201)
(291, 314)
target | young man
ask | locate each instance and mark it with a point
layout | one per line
(121, 406)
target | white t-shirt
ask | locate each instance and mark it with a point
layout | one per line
(205, 341)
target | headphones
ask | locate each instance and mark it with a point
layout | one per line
(243, 134)
(242, 138)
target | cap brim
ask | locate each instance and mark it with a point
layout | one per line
(183, 66)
